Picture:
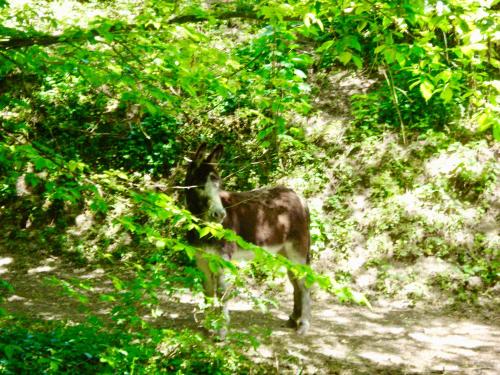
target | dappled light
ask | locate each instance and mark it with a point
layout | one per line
(259, 187)
(4, 262)
(353, 338)
(40, 269)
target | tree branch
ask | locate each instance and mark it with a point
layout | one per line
(25, 40)
(222, 16)
(44, 40)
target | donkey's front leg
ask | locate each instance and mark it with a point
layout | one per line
(215, 288)
(222, 300)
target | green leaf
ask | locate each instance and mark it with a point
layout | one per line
(354, 43)
(300, 73)
(445, 75)
(10, 349)
(361, 26)
(107, 298)
(308, 18)
(325, 46)
(345, 57)
(214, 265)
(118, 284)
(204, 231)
(446, 94)
(243, 244)
(190, 251)
(99, 205)
(389, 55)
(357, 61)
(484, 122)
(496, 131)
(426, 88)
(401, 58)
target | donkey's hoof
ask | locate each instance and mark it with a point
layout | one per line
(291, 323)
(220, 334)
(302, 328)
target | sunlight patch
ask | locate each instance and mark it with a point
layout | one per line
(15, 298)
(240, 306)
(436, 341)
(339, 351)
(94, 274)
(382, 358)
(5, 261)
(40, 269)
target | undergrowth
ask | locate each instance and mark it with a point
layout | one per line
(36, 347)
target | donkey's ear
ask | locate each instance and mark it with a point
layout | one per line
(216, 154)
(202, 148)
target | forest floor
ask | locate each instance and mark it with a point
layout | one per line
(344, 339)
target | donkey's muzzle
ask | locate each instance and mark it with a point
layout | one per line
(218, 216)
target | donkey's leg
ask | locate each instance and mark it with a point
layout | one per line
(215, 287)
(209, 282)
(297, 307)
(223, 301)
(301, 315)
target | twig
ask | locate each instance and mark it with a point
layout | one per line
(390, 83)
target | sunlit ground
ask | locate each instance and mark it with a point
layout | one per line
(346, 338)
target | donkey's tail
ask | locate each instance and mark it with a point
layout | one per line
(308, 246)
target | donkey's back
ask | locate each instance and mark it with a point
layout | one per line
(276, 219)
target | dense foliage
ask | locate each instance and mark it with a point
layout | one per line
(101, 102)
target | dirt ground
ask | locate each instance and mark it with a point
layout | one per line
(387, 339)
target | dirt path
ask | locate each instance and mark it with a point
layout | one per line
(342, 340)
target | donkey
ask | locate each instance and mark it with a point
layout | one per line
(276, 219)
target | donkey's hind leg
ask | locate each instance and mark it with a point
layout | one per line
(297, 307)
(301, 315)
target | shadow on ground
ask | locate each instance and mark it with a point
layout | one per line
(342, 340)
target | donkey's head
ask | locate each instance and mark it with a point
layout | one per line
(204, 184)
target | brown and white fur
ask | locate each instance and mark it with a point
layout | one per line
(276, 219)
